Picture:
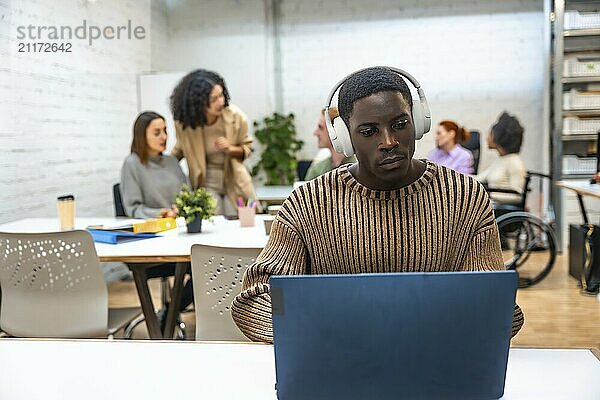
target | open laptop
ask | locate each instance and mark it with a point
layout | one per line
(392, 336)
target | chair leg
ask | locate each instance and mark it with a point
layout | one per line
(132, 325)
(165, 291)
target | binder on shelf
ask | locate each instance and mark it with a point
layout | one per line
(116, 237)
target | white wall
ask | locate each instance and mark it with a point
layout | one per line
(67, 117)
(474, 58)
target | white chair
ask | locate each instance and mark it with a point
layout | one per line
(53, 286)
(217, 273)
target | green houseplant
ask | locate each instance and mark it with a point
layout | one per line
(277, 134)
(194, 206)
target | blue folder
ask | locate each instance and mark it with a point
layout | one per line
(115, 237)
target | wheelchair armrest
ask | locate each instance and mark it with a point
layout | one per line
(499, 190)
(506, 208)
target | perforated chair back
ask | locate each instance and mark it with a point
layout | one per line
(52, 285)
(217, 273)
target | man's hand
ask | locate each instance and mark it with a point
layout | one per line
(223, 145)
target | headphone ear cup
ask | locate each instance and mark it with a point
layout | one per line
(344, 143)
(418, 119)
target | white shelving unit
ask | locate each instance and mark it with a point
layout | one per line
(574, 96)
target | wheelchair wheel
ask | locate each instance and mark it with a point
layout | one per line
(528, 246)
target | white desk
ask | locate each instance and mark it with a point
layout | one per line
(100, 370)
(581, 188)
(171, 246)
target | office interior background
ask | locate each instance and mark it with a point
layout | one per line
(67, 121)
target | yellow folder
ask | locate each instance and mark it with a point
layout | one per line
(155, 225)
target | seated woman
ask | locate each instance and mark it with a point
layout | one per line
(449, 152)
(150, 180)
(508, 171)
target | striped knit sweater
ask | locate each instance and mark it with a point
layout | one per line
(334, 225)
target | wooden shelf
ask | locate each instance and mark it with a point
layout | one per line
(581, 32)
(581, 138)
(580, 79)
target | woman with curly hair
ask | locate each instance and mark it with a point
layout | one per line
(212, 135)
(508, 171)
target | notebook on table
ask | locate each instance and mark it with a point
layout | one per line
(392, 336)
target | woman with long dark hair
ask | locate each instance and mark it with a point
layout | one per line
(212, 135)
(150, 179)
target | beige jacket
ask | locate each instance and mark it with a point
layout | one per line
(190, 145)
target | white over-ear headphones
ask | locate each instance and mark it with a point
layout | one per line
(338, 131)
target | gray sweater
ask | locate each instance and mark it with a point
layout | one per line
(146, 189)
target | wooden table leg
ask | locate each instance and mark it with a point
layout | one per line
(141, 284)
(180, 269)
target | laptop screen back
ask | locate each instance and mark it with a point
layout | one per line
(392, 336)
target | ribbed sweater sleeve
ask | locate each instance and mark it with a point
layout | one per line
(283, 255)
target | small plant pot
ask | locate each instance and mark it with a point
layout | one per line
(195, 226)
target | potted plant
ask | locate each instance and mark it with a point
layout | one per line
(278, 159)
(194, 206)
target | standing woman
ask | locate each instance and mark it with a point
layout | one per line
(212, 135)
(449, 152)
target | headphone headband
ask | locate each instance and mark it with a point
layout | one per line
(399, 71)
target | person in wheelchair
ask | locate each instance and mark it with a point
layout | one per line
(505, 178)
(507, 182)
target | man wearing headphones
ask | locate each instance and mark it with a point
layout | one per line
(387, 213)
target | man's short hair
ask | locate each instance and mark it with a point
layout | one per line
(508, 133)
(369, 81)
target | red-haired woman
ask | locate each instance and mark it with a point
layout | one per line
(449, 152)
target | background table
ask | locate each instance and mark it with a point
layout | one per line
(171, 246)
(100, 370)
(581, 188)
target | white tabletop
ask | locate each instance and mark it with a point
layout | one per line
(175, 243)
(583, 187)
(60, 369)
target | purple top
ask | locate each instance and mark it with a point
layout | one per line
(459, 159)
